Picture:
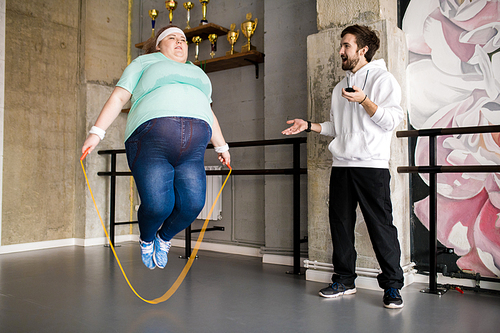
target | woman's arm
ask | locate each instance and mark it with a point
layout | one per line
(219, 142)
(119, 97)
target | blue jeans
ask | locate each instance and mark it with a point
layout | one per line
(166, 157)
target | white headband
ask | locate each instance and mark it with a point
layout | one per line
(168, 32)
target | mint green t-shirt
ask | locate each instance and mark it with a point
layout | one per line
(162, 87)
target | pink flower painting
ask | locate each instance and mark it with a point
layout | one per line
(454, 81)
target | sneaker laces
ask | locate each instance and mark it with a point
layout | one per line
(335, 286)
(393, 293)
(164, 245)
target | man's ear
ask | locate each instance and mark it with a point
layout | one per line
(363, 50)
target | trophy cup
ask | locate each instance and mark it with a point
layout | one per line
(153, 13)
(232, 37)
(171, 5)
(204, 4)
(248, 28)
(188, 5)
(197, 40)
(213, 39)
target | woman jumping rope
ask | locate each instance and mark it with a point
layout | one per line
(169, 126)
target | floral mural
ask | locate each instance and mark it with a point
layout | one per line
(454, 81)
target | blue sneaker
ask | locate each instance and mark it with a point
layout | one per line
(161, 250)
(392, 299)
(147, 251)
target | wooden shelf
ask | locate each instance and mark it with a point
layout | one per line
(232, 61)
(203, 31)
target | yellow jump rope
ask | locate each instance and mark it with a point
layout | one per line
(184, 272)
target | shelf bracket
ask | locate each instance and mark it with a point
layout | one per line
(256, 67)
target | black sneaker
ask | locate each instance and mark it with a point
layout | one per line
(392, 299)
(337, 289)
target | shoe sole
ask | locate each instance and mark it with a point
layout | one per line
(347, 292)
(393, 306)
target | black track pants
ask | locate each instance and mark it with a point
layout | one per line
(370, 188)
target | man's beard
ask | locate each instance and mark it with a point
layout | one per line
(350, 63)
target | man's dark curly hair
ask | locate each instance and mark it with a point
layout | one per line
(364, 37)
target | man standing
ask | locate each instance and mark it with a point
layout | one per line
(365, 109)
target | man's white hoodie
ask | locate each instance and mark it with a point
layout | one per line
(361, 140)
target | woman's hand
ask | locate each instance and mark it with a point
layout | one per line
(225, 158)
(90, 143)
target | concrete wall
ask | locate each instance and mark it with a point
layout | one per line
(62, 60)
(324, 72)
(41, 61)
(288, 23)
(2, 98)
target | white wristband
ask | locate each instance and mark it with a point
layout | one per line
(221, 149)
(97, 131)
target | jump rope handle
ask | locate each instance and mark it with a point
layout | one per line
(85, 153)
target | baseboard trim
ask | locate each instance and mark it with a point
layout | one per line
(222, 248)
(276, 259)
(64, 242)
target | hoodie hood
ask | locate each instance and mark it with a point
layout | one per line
(379, 63)
(351, 77)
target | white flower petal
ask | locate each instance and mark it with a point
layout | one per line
(486, 35)
(458, 238)
(488, 261)
(482, 59)
(464, 12)
(416, 13)
(495, 65)
(442, 55)
(429, 96)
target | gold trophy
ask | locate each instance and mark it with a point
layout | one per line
(197, 40)
(248, 28)
(232, 37)
(213, 39)
(188, 5)
(171, 5)
(153, 13)
(204, 4)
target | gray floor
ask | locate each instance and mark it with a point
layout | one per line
(76, 289)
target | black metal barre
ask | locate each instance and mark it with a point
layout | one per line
(432, 169)
(449, 131)
(296, 171)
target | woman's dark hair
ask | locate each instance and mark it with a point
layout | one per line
(364, 37)
(150, 44)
